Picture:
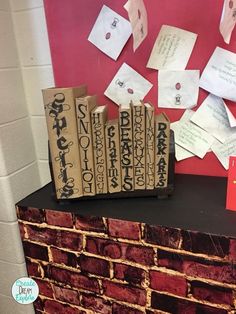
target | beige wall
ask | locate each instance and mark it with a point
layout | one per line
(25, 68)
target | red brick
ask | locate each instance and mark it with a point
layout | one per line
(163, 236)
(35, 251)
(54, 307)
(213, 294)
(124, 293)
(30, 214)
(43, 235)
(133, 275)
(135, 253)
(168, 283)
(122, 309)
(232, 250)
(205, 243)
(94, 265)
(22, 230)
(63, 257)
(66, 295)
(70, 240)
(170, 260)
(38, 304)
(222, 272)
(140, 254)
(74, 279)
(96, 304)
(90, 223)
(44, 288)
(57, 218)
(204, 309)
(124, 229)
(33, 268)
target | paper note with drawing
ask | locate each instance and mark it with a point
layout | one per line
(178, 89)
(127, 85)
(232, 119)
(110, 32)
(138, 18)
(180, 152)
(213, 118)
(219, 76)
(223, 151)
(228, 19)
(172, 49)
(191, 137)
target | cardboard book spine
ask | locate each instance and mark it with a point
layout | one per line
(150, 146)
(126, 147)
(162, 145)
(99, 117)
(113, 156)
(139, 146)
(59, 104)
(84, 107)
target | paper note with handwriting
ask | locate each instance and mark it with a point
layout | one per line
(232, 119)
(213, 118)
(180, 152)
(219, 75)
(224, 150)
(138, 18)
(228, 19)
(172, 49)
(191, 137)
(127, 85)
(178, 89)
(110, 32)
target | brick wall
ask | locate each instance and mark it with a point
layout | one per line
(99, 265)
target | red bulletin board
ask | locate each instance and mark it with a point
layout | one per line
(77, 61)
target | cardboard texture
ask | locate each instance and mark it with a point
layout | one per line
(162, 138)
(59, 104)
(150, 146)
(99, 117)
(126, 147)
(139, 146)
(113, 156)
(84, 107)
(231, 186)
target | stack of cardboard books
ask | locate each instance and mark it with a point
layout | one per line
(93, 155)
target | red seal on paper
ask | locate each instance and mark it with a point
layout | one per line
(130, 91)
(139, 14)
(108, 35)
(231, 4)
(178, 86)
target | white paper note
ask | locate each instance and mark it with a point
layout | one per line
(180, 152)
(172, 49)
(138, 19)
(191, 137)
(223, 151)
(127, 85)
(232, 119)
(110, 32)
(178, 89)
(228, 19)
(219, 76)
(213, 118)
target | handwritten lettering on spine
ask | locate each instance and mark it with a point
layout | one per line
(126, 147)
(113, 156)
(162, 139)
(98, 126)
(139, 146)
(150, 146)
(84, 106)
(63, 141)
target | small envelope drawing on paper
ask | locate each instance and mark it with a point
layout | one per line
(127, 85)
(110, 32)
(178, 89)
